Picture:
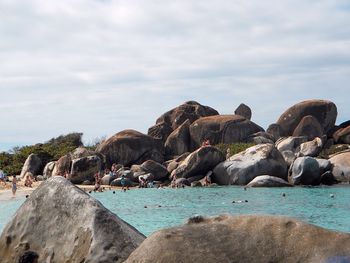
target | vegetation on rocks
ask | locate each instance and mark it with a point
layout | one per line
(12, 162)
(326, 153)
(234, 147)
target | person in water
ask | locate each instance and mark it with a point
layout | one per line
(14, 185)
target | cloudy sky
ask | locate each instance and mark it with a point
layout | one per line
(99, 66)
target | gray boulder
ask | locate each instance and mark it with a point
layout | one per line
(158, 170)
(199, 162)
(290, 147)
(268, 181)
(244, 111)
(311, 148)
(304, 171)
(324, 165)
(32, 165)
(341, 166)
(240, 169)
(107, 179)
(85, 168)
(248, 238)
(48, 169)
(64, 224)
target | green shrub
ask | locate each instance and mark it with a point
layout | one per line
(234, 147)
(336, 148)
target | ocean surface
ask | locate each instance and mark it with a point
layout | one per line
(149, 210)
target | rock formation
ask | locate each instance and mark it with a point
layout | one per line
(32, 165)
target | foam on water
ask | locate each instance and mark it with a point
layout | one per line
(152, 209)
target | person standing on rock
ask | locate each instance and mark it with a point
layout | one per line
(14, 185)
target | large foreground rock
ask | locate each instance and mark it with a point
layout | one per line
(325, 112)
(222, 129)
(131, 147)
(63, 224)
(244, 239)
(341, 166)
(240, 169)
(32, 165)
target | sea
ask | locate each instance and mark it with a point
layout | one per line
(151, 209)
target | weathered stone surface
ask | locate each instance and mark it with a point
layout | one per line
(249, 238)
(158, 170)
(268, 181)
(244, 111)
(324, 111)
(81, 152)
(309, 127)
(240, 169)
(32, 165)
(199, 162)
(324, 165)
(182, 181)
(341, 166)
(84, 169)
(328, 178)
(222, 129)
(62, 165)
(107, 179)
(290, 147)
(304, 171)
(48, 170)
(275, 130)
(63, 224)
(160, 131)
(179, 140)
(311, 148)
(131, 147)
(342, 135)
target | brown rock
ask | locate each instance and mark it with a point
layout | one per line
(160, 131)
(178, 141)
(222, 129)
(131, 147)
(158, 171)
(324, 111)
(85, 168)
(244, 239)
(244, 111)
(32, 165)
(342, 135)
(309, 127)
(341, 166)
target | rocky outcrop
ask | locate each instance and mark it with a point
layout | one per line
(244, 111)
(222, 129)
(304, 171)
(32, 165)
(268, 181)
(64, 224)
(62, 165)
(131, 147)
(341, 166)
(199, 162)
(240, 169)
(249, 238)
(178, 141)
(325, 112)
(342, 135)
(85, 168)
(309, 127)
(171, 120)
(48, 170)
(290, 147)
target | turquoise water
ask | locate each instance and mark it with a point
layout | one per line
(170, 207)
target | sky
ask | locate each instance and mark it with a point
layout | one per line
(100, 66)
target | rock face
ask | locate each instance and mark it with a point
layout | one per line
(268, 181)
(309, 127)
(48, 170)
(62, 165)
(240, 169)
(222, 129)
(171, 120)
(32, 165)
(178, 141)
(325, 112)
(341, 166)
(305, 171)
(158, 171)
(342, 135)
(63, 224)
(131, 147)
(85, 168)
(290, 147)
(244, 111)
(249, 238)
(311, 148)
(199, 162)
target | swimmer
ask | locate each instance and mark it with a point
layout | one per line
(331, 195)
(284, 194)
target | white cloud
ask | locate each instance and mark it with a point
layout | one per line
(102, 66)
